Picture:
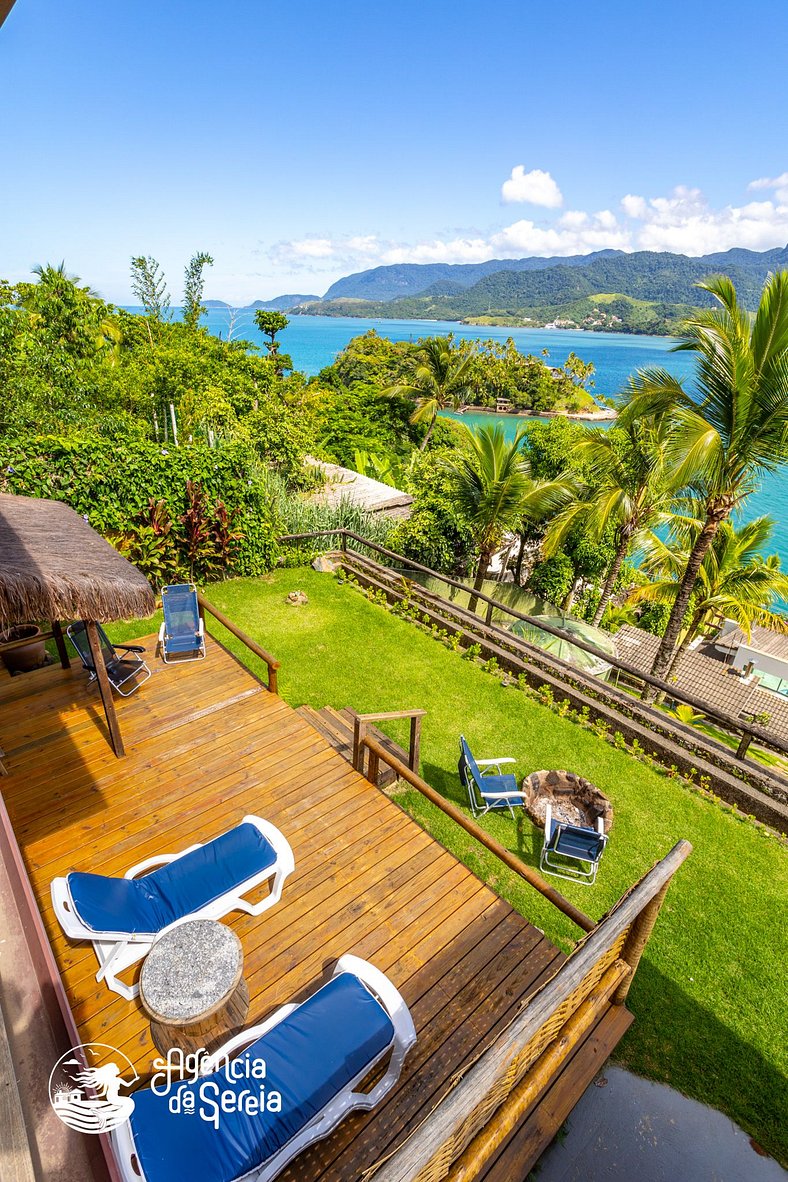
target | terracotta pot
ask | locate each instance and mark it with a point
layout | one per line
(30, 656)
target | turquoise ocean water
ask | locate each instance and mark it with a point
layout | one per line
(314, 341)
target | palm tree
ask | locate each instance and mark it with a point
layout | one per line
(440, 381)
(630, 493)
(735, 581)
(494, 489)
(733, 428)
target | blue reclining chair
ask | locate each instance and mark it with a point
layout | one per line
(123, 916)
(182, 635)
(486, 790)
(317, 1055)
(125, 667)
(572, 851)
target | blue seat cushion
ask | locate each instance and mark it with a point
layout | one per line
(310, 1057)
(504, 783)
(143, 906)
(574, 842)
(183, 644)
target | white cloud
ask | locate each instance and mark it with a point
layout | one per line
(634, 207)
(685, 222)
(778, 183)
(536, 187)
(573, 219)
(681, 220)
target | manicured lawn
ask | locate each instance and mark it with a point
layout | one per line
(710, 994)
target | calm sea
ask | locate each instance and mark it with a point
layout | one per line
(314, 341)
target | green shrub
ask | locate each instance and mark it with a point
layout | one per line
(194, 510)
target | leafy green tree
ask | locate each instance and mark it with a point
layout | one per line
(271, 323)
(193, 287)
(735, 581)
(491, 482)
(630, 492)
(150, 287)
(730, 430)
(439, 381)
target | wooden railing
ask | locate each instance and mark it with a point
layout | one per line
(378, 753)
(271, 662)
(744, 731)
(362, 721)
(459, 1138)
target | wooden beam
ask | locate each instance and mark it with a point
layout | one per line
(105, 689)
(452, 1115)
(60, 641)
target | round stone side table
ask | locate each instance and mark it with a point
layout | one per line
(192, 987)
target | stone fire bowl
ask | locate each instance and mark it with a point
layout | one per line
(575, 801)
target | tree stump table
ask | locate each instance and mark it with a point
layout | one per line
(192, 987)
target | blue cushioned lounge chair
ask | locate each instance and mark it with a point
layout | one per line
(126, 670)
(572, 851)
(182, 635)
(317, 1056)
(123, 916)
(486, 790)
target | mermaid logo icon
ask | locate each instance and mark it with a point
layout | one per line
(85, 1084)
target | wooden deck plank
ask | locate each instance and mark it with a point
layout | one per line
(206, 745)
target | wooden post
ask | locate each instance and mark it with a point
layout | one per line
(62, 651)
(488, 614)
(636, 941)
(414, 752)
(744, 743)
(105, 689)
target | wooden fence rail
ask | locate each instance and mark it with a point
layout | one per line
(378, 753)
(747, 732)
(271, 662)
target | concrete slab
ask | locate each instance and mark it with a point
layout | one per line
(630, 1128)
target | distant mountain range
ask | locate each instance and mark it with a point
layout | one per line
(282, 303)
(644, 291)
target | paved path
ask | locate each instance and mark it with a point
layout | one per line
(632, 1130)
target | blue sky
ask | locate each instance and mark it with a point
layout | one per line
(298, 142)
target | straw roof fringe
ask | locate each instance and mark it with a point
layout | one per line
(53, 566)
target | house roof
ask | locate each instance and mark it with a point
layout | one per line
(763, 640)
(53, 566)
(709, 678)
(362, 491)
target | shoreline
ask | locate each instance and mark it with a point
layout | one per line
(603, 415)
(470, 323)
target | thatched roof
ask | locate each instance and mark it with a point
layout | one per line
(53, 566)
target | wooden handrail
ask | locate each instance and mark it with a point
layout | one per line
(729, 722)
(360, 730)
(8, 646)
(239, 634)
(449, 1118)
(378, 753)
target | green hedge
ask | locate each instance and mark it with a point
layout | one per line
(112, 483)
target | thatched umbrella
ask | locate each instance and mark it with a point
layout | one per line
(53, 566)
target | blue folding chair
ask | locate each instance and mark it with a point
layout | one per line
(572, 851)
(182, 635)
(488, 790)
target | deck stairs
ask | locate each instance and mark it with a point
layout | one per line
(337, 727)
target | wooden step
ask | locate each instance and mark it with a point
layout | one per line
(338, 726)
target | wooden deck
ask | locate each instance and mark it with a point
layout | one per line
(207, 744)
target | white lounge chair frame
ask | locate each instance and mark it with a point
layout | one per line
(489, 799)
(118, 951)
(559, 869)
(348, 1100)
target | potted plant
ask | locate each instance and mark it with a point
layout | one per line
(28, 656)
